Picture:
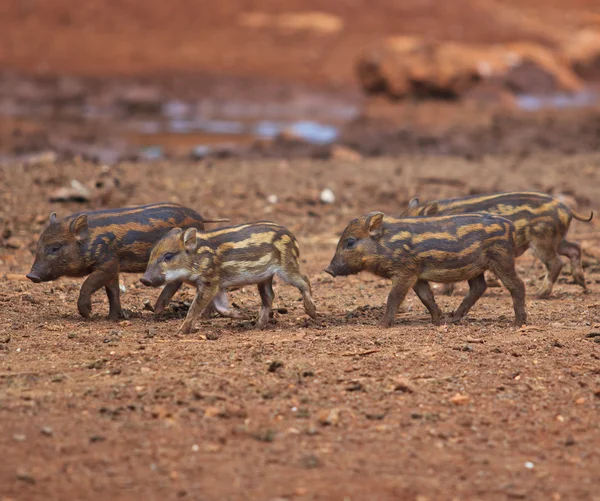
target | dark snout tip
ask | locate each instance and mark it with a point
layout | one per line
(145, 281)
(329, 270)
(34, 278)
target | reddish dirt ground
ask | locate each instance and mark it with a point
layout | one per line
(128, 37)
(329, 409)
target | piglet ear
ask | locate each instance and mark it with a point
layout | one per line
(414, 203)
(176, 232)
(431, 209)
(374, 224)
(53, 218)
(79, 227)
(190, 240)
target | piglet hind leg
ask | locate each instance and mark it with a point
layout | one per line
(423, 290)
(546, 249)
(114, 300)
(267, 296)
(293, 276)
(204, 296)
(221, 305)
(477, 287)
(104, 277)
(508, 276)
(572, 250)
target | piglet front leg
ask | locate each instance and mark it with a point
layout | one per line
(204, 296)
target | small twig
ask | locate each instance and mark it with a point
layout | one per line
(359, 353)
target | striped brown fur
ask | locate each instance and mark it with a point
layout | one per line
(411, 251)
(216, 260)
(541, 221)
(104, 243)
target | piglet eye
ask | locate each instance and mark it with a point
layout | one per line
(350, 243)
(168, 256)
(54, 249)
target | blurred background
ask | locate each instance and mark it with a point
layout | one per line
(107, 80)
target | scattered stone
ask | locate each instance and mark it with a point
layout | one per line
(272, 199)
(19, 437)
(310, 461)
(345, 154)
(459, 399)
(150, 333)
(26, 477)
(97, 438)
(148, 306)
(265, 435)
(327, 196)
(212, 336)
(46, 430)
(274, 366)
(402, 385)
(329, 416)
(282, 311)
(14, 243)
(375, 416)
(97, 364)
(356, 386)
(76, 192)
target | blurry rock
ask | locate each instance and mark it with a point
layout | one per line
(13, 243)
(582, 52)
(199, 152)
(405, 66)
(345, 154)
(77, 192)
(319, 22)
(459, 399)
(327, 196)
(108, 191)
(103, 190)
(69, 91)
(329, 416)
(141, 100)
(40, 158)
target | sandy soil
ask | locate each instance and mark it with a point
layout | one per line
(327, 409)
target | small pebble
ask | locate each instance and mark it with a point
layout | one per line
(327, 196)
(46, 430)
(272, 199)
(529, 465)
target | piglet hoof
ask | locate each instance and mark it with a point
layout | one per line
(579, 280)
(261, 324)
(438, 321)
(117, 315)
(385, 323)
(543, 292)
(453, 318)
(184, 329)
(84, 308)
(310, 308)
